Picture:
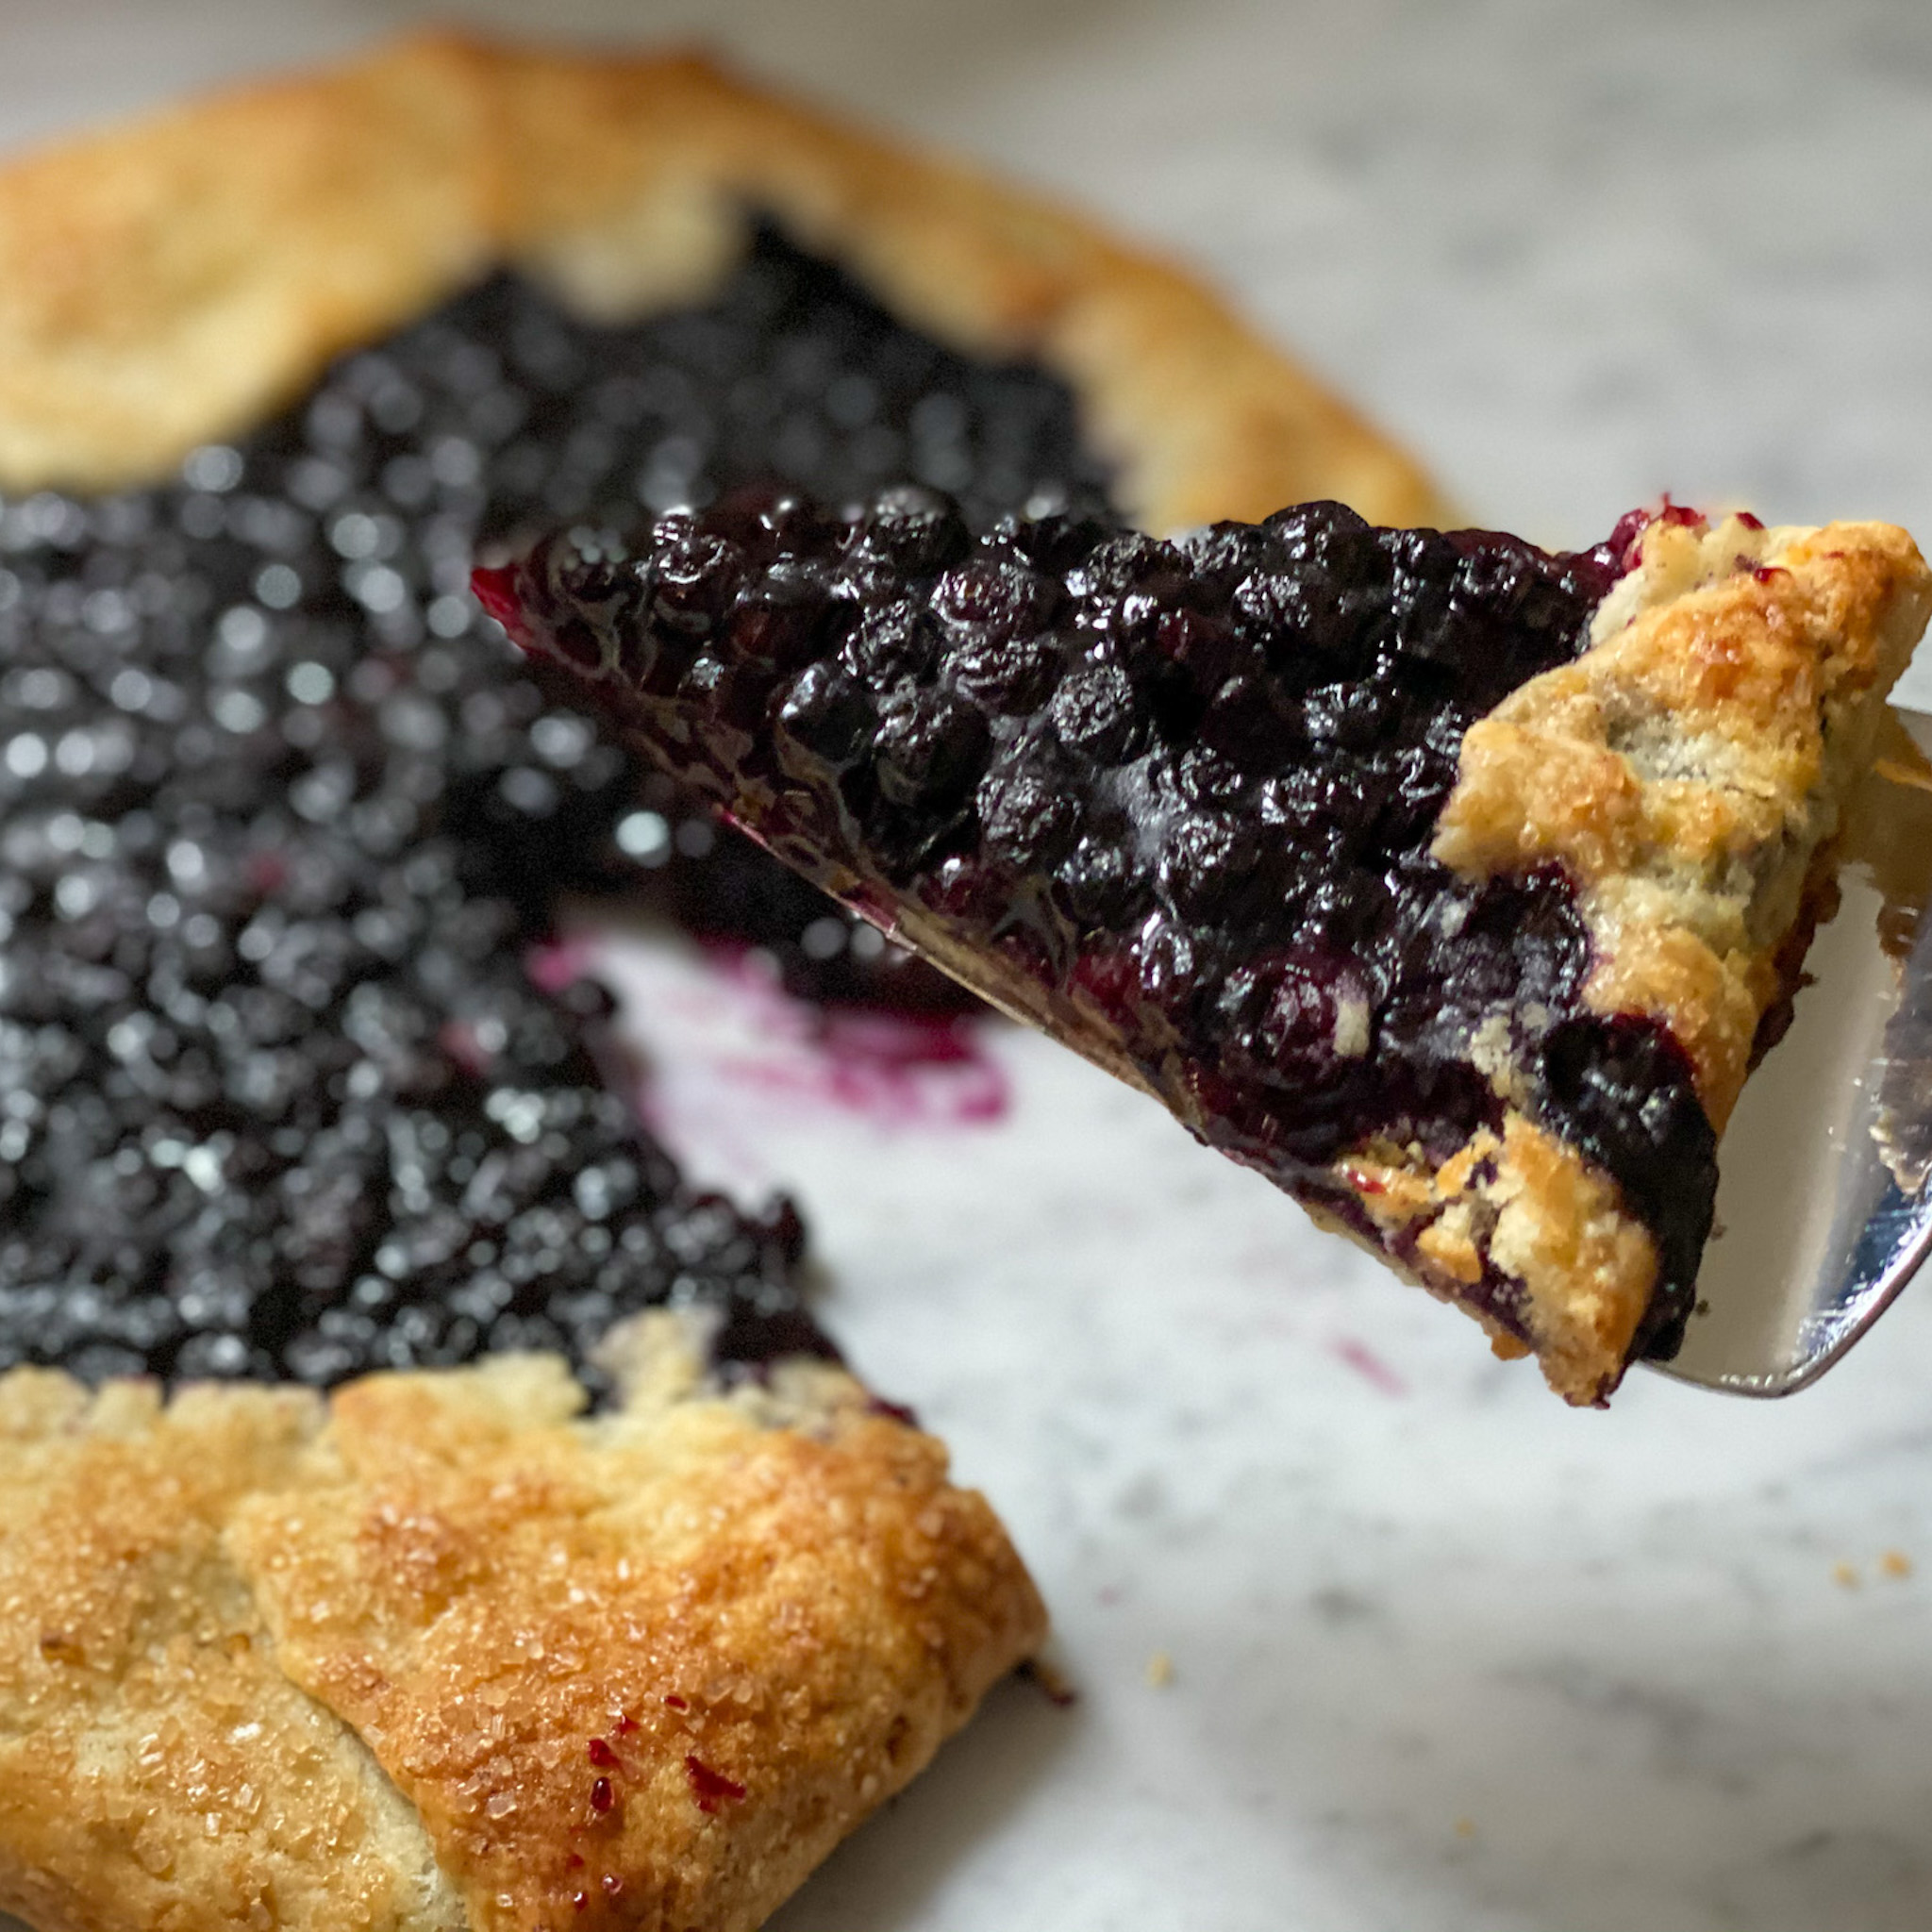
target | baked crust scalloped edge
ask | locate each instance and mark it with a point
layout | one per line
(337, 1668)
(173, 281)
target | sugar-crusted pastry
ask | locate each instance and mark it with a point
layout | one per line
(449, 1654)
(1446, 882)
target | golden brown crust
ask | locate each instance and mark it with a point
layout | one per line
(1686, 769)
(156, 1769)
(1532, 1208)
(346, 1671)
(170, 282)
(767, 1632)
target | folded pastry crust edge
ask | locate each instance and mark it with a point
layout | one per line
(173, 281)
(445, 1654)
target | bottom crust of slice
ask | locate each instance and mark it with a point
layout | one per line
(1520, 1231)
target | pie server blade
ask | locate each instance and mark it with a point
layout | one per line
(1823, 1207)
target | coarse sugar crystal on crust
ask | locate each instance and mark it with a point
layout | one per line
(1448, 883)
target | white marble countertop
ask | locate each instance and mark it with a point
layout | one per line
(1445, 1655)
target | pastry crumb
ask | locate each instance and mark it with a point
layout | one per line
(1895, 1563)
(1160, 1669)
(1846, 1575)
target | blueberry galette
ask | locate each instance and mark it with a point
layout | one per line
(282, 823)
(1449, 883)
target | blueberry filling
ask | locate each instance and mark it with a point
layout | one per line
(279, 818)
(1189, 788)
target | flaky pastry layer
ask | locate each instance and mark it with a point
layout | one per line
(447, 1654)
(1688, 773)
(176, 280)
(1688, 767)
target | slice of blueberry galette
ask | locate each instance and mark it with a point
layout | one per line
(1451, 883)
(489, 1614)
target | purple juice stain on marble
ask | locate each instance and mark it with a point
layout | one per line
(898, 1069)
(726, 1047)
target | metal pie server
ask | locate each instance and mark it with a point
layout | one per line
(1824, 1204)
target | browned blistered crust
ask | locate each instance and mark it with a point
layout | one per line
(176, 281)
(1688, 773)
(266, 1664)
(1686, 769)
(156, 1769)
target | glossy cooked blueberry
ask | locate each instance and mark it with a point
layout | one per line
(1205, 779)
(281, 819)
